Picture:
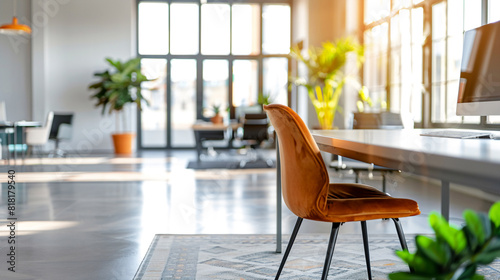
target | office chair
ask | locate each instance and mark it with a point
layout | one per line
(61, 129)
(383, 120)
(308, 193)
(8, 131)
(255, 131)
(39, 136)
(202, 136)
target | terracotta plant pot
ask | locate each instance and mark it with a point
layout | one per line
(123, 142)
(217, 119)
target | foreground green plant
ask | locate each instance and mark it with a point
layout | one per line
(454, 254)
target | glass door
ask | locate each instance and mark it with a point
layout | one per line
(183, 102)
(154, 116)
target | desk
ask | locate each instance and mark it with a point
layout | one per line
(15, 126)
(23, 125)
(209, 131)
(473, 162)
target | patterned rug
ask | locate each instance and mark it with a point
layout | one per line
(252, 257)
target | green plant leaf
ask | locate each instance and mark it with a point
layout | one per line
(424, 266)
(407, 276)
(406, 256)
(489, 253)
(421, 264)
(476, 226)
(465, 273)
(472, 242)
(115, 63)
(494, 214)
(439, 253)
(454, 237)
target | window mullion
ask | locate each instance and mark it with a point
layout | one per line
(389, 65)
(427, 67)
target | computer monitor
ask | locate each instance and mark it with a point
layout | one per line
(479, 87)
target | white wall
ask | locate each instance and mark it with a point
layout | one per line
(15, 63)
(73, 40)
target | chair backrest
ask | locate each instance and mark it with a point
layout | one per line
(255, 127)
(60, 119)
(304, 177)
(40, 135)
(383, 120)
(3, 112)
(391, 120)
(48, 122)
(241, 111)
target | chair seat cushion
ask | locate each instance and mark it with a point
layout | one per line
(358, 202)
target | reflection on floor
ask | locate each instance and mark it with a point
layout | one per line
(94, 217)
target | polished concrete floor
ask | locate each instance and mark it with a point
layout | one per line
(94, 217)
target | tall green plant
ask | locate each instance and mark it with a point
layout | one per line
(454, 254)
(326, 79)
(120, 86)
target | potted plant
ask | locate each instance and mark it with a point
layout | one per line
(217, 118)
(264, 98)
(365, 102)
(117, 88)
(326, 79)
(454, 253)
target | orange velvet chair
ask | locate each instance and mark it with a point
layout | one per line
(308, 193)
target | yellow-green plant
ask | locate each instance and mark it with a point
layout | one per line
(326, 79)
(366, 101)
(364, 98)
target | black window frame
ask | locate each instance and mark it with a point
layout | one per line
(199, 57)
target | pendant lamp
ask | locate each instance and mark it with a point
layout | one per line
(15, 28)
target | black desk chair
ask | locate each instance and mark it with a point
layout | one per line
(204, 134)
(61, 129)
(383, 120)
(255, 131)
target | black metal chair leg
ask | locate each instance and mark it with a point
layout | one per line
(289, 246)
(383, 182)
(367, 249)
(401, 236)
(331, 247)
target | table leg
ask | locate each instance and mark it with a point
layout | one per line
(197, 138)
(445, 199)
(15, 144)
(22, 142)
(278, 199)
(7, 137)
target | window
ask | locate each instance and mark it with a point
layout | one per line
(412, 56)
(393, 56)
(493, 15)
(207, 53)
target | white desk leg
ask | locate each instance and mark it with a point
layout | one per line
(15, 144)
(278, 198)
(22, 142)
(445, 199)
